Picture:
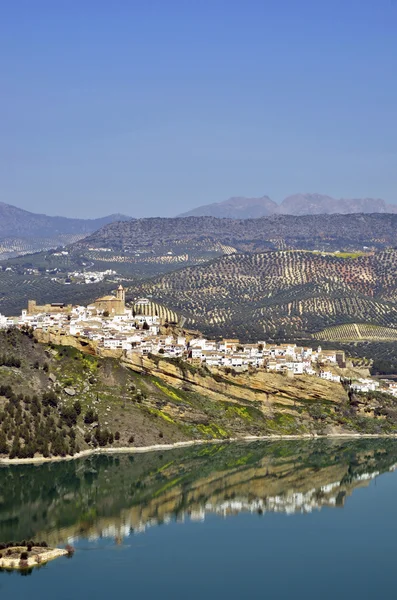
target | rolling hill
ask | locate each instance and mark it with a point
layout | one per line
(201, 236)
(290, 293)
(146, 248)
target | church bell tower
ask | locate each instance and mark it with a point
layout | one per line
(120, 295)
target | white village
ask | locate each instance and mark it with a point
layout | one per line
(114, 326)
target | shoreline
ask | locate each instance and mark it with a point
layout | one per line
(190, 443)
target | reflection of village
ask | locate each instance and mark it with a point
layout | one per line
(135, 521)
(109, 324)
(266, 487)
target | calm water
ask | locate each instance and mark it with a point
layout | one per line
(275, 520)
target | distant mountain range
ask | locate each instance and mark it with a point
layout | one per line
(18, 222)
(298, 204)
(22, 231)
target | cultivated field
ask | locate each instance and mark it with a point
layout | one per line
(357, 332)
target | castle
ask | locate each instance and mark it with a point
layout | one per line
(114, 305)
(55, 307)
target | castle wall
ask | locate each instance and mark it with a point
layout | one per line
(34, 308)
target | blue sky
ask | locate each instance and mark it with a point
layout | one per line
(153, 107)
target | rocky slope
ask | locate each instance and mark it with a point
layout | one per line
(57, 400)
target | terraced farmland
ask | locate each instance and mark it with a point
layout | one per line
(358, 332)
(281, 293)
(155, 309)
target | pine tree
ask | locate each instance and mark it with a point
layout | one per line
(3, 443)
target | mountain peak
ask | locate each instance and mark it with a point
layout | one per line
(240, 207)
(237, 207)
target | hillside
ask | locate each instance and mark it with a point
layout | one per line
(22, 231)
(297, 204)
(143, 248)
(251, 295)
(358, 332)
(201, 237)
(57, 400)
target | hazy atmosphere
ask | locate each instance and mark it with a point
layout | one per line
(152, 108)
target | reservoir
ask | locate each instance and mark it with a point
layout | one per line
(291, 519)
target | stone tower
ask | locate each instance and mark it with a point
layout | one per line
(120, 295)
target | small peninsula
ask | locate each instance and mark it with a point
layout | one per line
(25, 555)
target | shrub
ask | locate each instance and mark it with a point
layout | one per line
(69, 415)
(50, 399)
(24, 556)
(117, 435)
(131, 439)
(90, 417)
(69, 549)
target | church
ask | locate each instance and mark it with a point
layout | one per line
(114, 305)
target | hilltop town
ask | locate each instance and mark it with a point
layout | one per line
(140, 330)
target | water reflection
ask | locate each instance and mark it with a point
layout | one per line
(108, 496)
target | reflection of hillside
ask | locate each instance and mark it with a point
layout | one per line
(107, 496)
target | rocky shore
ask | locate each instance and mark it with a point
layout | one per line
(21, 557)
(187, 444)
